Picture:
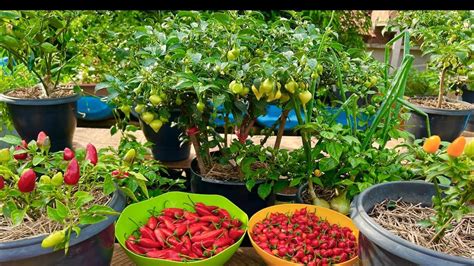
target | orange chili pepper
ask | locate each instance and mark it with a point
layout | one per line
(431, 144)
(456, 148)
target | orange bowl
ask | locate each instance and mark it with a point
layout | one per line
(331, 216)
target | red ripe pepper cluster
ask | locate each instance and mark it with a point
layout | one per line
(180, 235)
(304, 238)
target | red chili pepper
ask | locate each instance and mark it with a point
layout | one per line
(192, 131)
(223, 241)
(207, 235)
(235, 233)
(72, 174)
(212, 219)
(223, 213)
(133, 247)
(236, 223)
(191, 217)
(202, 211)
(187, 242)
(68, 154)
(172, 212)
(148, 243)
(2, 182)
(166, 232)
(159, 236)
(152, 222)
(181, 229)
(195, 228)
(207, 207)
(20, 156)
(27, 181)
(91, 154)
(226, 224)
(197, 249)
(147, 233)
(43, 141)
(160, 254)
(169, 225)
(24, 144)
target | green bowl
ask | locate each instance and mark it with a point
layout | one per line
(138, 212)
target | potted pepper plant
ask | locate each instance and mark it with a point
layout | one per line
(427, 221)
(40, 41)
(56, 207)
(447, 37)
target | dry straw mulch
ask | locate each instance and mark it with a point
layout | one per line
(403, 222)
(36, 226)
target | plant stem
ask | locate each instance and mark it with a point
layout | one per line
(441, 88)
(197, 148)
(226, 122)
(281, 129)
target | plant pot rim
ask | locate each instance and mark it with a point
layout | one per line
(86, 230)
(385, 238)
(439, 111)
(48, 101)
(194, 171)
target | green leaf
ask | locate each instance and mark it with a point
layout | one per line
(77, 230)
(17, 216)
(48, 47)
(38, 159)
(129, 193)
(143, 187)
(443, 180)
(346, 182)
(295, 182)
(92, 219)
(317, 180)
(109, 185)
(10, 139)
(264, 190)
(82, 198)
(247, 163)
(139, 176)
(61, 209)
(334, 149)
(9, 14)
(53, 215)
(327, 164)
(102, 210)
(327, 134)
(250, 184)
(424, 223)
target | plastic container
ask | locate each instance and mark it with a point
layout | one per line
(92, 108)
(273, 114)
(378, 246)
(331, 216)
(138, 213)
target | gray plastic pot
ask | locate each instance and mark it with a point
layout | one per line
(448, 124)
(55, 116)
(93, 247)
(378, 246)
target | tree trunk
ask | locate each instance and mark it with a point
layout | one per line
(281, 129)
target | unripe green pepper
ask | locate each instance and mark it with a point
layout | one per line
(44, 179)
(57, 179)
(4, 155)
(53, 239)
(129, 156)
(469, 149)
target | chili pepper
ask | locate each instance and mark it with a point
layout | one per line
(53, 239)
(178, 247)
(27, 181)
(57, 179)
(186, 242)
(207, 235)
(212, 219)
(202, 211)
(72, 174)
(159, 254)
(91, 154)
(68, 154)
(172, 212)
(2, 182)
(220, 249)
(207, 207)
(181, 229)
(147, 233)
(195, 228)
(43, 141)
(20, 156)
(196, 248)
(192, 131)
(456, 148)
(166, 232)
(172, 240)
(169, 225)
(148, 243)
(190, 216)
(159, 236)
(235, 233)
(222, 242)
(236, 222)
(152, 222)
(129, 157)
(431, 144)
(133, 247)
(24, 144)
(469, 149)
(226, 224)
(4, 155)
(223, 213)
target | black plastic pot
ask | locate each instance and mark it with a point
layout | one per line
(56, 117)
(285, 197)
(378, 246)
(468, 96)
(93, 247)
(448, 124)
(167, 146)
(299, 195)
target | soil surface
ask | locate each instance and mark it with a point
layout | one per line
(431, 102)
(37, 93)
(228, 172)
(402, 219)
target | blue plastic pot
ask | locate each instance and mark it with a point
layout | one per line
(92, 108)
(272, 116)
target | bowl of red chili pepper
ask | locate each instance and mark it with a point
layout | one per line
(179, 228)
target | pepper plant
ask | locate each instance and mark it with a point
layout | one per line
(64, 186)
(451, 170)
(40, 40)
